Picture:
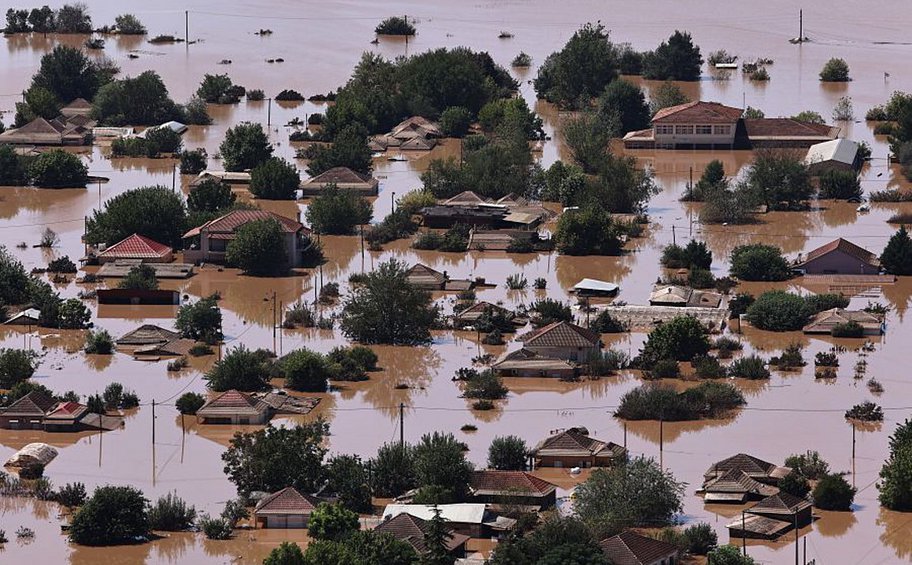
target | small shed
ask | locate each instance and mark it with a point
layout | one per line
(834, 155)
(595, 287)
(32, 454)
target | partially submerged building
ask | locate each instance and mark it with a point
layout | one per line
(344, 179)
(47, 132)
(470, 519)
(824, 322)
(38, 411)
(834, 155)
(285, 509)
(838, 257)
(135, 247)
(574, 448)
(235, 408)
(772, 517)
(753, 467)
(735, 487)
(631, 548)
(469, 316)
(412, 530)
(683, 296)
(526, 363)
(563, 340)
(209, 242)
(512, 488)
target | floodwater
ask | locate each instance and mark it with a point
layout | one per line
(320, 43)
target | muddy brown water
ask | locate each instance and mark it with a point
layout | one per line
(320, 44)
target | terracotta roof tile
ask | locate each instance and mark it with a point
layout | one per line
(138, 247)
(235, 402)
(230, 222)
(787, 127)
(492, 481)
(630, 548)
(561, 334)
(698, 112)
(287, 501)
(411, 529)
(846, 247)
(35, 403)
(340, 175)
(574, 442)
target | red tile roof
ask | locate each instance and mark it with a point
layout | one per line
(561, 334)
(787, 128)
(411, 529)
(574, 442)
(844, 246)
(286, 501)
(630, 548)
(136, 247)
(230, 222)
(233, 402)
(698, 112)
(340, 175)
(490, 481)
(35, 403)
(67, 411)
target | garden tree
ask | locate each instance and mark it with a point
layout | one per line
(242, 369)
(39, 102)
(581, 70)
(835, 70)
(840, 185)
(809, 117)
(42, 20)
(455, 121)
(395, 25)
(680, 339)
(348, 479)
(484, 385)
(512, 113)
(694, 255)
(16, 21)
(338, 211)
(72, 314)
(16, 366)
(216, 89)
(274, 458)
(114, 515)
(201, 320)
(759, 262)
(508, 453)
(245, 146)
(713, 177)
(193, 162)
(12, 167)
(895, 483)
(436, 538)
(14, 281)
(387, 309)
(896, 258)
(675, 59)
(142, 100)
(634, 494)
(589, 231)
(274, 179)
(700, 538)
(140, 277)
(58, 169)
(548, 539)
(211, 195)
(69, 74)
(780, 179)
(171, 514)
(189, 402)
(724, 205)
(259, 248)
(156, 212)
(332, 522)
(73, 18)
(809, 464)
(287, 553)
(306, 370)
(666, 95)
(627, 101)
(348, 149)
(795, 484)
(833, 492)
(778, 311)
(128, 24)
(587, 136)
(729, 555)
(441, 469)
(99, 343)
(393, 470)
(363, 546)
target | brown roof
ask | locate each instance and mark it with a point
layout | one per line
(463, 198)
(757, 526)
(148, 334)
(67, 411)
(137, 247)
(230, 222)
(630, 548)
(341, 176)
(736, 481)
(781, 503)
(574, 442)
(750, 465)
(525, 360)
(35, 403)
(411, 529)
(233, 402)
(175, 347)
(423, 276)
(561, 334)
(286, 501)
(846, 247)
(824, 322)
(787, 128)
(698, 112)
(475, 310)
(418, 144)
(495, 482)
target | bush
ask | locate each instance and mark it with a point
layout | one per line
(680, 339)
(547, 311)
(99, 342)
(751, 367)
(708, 367)
(726, 346)
(522, 60)
(605, 323)
(215, 528)
(708, 399)
(216, 89)
(201, 320)
(71, 495)
(193, 162)
(795, 484)
(189, 403)
(581, 70)
(759, 262)
(693, 256)
(700, 538)
(171, 514)
(395, 26)
(274, 179)
(113, 516)
(140, 277)
(840, 185)
(607, 362)
(809, 465)
(332, 522)
(826, 359)
(455, 121)
(835, 70)
(338, 212)
(778, 311)
(833, 492)
(485, 385)
(259, 249)
(790, 359)
(306, 370)
(664, 369)
(128, 24)
(867, 411)
(210, 195)
(299, 315)
(245, 146)
(240, 369)
(289, 95)
(58, 169)
(848, 329)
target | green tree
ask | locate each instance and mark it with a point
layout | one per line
(778, 311)
(387, 309)
(895, 483)
(628, 102)
(436, 537)
(114, 515)
(73, 18)
(332, 522)
(241, 368)
(274, 179)
(587, 136)
(395, 25)
(441, 466)
(16, 21)
(72, 314)
(840, 185)
(245, 146)
(156, 212)
(729, 555)
(809, 117)
(215, 89)
(896, 258)
(508, 453)
(455, 121)
(508, 114)
(795, 485)
(759, 262)
(349, 149)
(554, 533)
(128, 24)
(58, 169)
(211, 195)
(675, 59)
(274, 458)
(681, 339)
(140, 277)
(835, 70)
(306, 370)
(780, 179)
(15, 287)
(393, 470)
(142, 100)
(189, 402)
(833, 492)
(666, 95)
(12, 167)
(170, 513)
(201, 320)
(635, 494)
(348, 479)
(581, 70)
(288, 553)
(589, 231)
(16, 366)
(193, 162)
(700, 538)
(259, 248)
(69, 74)
(337, 212)
(39, 103)
(373, 547)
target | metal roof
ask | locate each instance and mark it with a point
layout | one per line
(840, 150)
(463, 513)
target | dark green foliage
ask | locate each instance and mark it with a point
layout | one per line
(833, 492)
(606, 324)
(201, 320)
(848, 329)
(809, 465)
(259, 248)
(780, 179)
(69, 74)
(73, 18)
(739, 304)
(128, 24)
(61, 265)
(666, 95)
(241, 368)
(142, 100)
(664, 369)
(215, 528)
(709, 399)
(395, 25)
(306, 370)
(795, 484)
(588, 231)
(896, 258)
(217, 89)
(835, 70)
(455, 121)
(287, 553)
(16, 366)
(332, 522)
(189, 402)
(396, 225)
(114, 515)
(348, 480)
(628, 102)
(348, 149)
(866, 411)
(750, 367)
(509, 114)
(759, 262)
(72, 314)
(681, 339)
(441, 466)
(840, 185)
(193, 162)
(71, 495)
(581, 70)
(12, 167)
(820, 302)
(485, 385)
(896, 474)
(552, 535)
(289, 95)
(38, 102)
(156, 212)
(606, 363)
(790, 359)
(708, 367)
(547, 311)
(338, 212)
(274, 179)
(96, 404)
(700, 538)
(587, 136)
(729, 555)
(211, 195)
(393, 470)
(274, 458)
(140, 277)
(245, 146)
(713, 177)
(725, 205)
(387, 309)
(14, 282)
(58, 169)
(436, 537)
(809, 117)
(171, 514)
(675, 59)
(99, 343)
(694, 255)
(508, 453)
(778, 311)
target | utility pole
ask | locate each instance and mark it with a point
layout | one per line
(674, 240)
(661, 442)
(173, 180)
(361, 229)
(187, 28)
(269, 112)
(743, 535)
(153, 423)
(393, 201)
(796, 536)
(625, 434)
(800, 26)
(402, 425)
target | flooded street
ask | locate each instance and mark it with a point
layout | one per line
(320, 43)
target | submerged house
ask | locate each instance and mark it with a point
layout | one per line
(28, 412)
(526, 363)
(470, 519)
(47, 132)
(514, 488)
(631, 548)
(824, 322)
(835, 155)
(574, 448)
(772, 517)
(423, 277)
(147, 334)
(469, 316)
(284, 509)
(563, 340)
(412, 530)
(38, 411)
(214, 236)
(839, 257)
(344, 179)
(235, 408)
(683, 296)
(136, 247)
(751, 466)
(735, 486)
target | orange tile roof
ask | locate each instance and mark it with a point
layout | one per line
(286, 501)
(698, 112)
(137, 247)
(630, 548)
(234, 402)
(230, 222)
(846, 247)
(512, 482)
(561, 334)
(411, 529)
(35, 403)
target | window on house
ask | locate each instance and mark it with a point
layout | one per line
(664, 130)
(722, 130)
(684, 130)
(704, 130)
(218, 245)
